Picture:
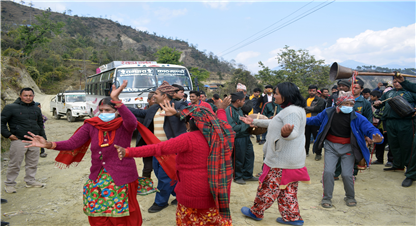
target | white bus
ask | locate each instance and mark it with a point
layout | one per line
(142, 77)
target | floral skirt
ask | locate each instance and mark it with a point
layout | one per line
(192, 216)
(102, 198)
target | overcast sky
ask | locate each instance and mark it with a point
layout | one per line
(371, 32)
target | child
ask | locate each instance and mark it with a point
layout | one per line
(343, 132)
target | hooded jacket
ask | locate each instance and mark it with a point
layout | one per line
(21, 118)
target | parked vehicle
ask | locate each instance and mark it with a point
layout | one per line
(70, 103)
(142, 77)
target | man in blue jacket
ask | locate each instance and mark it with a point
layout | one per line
(343, 132)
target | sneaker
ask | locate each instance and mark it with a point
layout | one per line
(155, 208)
(35, 185)
(407, 182)
(240, 181)
(43, 155)
(318, 157)
(10, 189)
(389, 164)
(3, 201)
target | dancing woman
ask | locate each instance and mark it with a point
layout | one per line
(110, 192)
(284, 163)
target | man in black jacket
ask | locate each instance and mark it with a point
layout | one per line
(342, 85)
(22, 117)
(314, 106)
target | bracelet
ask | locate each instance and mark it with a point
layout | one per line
(116, 102)
(127, 152)
(53, 145)
(118, 105)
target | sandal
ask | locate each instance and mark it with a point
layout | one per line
(326, 203)
(350, 202)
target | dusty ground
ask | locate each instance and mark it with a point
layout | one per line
(381, 198)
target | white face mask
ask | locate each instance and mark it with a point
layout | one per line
(346, 109)
(106, 117)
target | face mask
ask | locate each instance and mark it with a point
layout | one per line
(106, 117)
(345, 109)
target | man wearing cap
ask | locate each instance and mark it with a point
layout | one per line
(164, 128)
(343, 85)
(243, 148)
(314, 106)
(342, 134)
(400, 130)
(248, 104)
(411, 167)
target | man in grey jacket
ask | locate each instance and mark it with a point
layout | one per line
(22, 117)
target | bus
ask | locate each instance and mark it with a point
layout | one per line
(142, 77)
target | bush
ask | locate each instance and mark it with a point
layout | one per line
(33, 72)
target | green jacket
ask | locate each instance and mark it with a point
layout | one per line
(21, 118)
(233, 117)
(269, 108)
(363, 107)
(409, 86)
(389, 113)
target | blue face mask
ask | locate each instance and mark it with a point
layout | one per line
(106, 117)
(346, 110)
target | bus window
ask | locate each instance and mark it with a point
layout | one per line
(137, 78)
(174, 76)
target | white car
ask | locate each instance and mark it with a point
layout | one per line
(70, 103)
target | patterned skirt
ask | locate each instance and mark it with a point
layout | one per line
(192, 216)
(102, 198)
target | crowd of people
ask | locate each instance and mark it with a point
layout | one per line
(197, 147)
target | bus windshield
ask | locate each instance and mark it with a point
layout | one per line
(138, 78)
(174, 76)
(75, 98)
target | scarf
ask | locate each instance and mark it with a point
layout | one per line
(73, 157)
(220, 138)
(285, 105)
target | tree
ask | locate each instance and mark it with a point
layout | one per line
(166, 55)
(200, 74)
(33, 35)
(269, 77)
(303, 69)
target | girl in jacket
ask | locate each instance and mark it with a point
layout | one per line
(110, 192)
(284, 152)
(342, 134)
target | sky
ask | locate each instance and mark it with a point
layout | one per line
(371, 32)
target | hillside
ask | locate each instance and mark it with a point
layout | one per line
(87, 42)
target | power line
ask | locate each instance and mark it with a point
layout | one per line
(281, 26)
(270, 25)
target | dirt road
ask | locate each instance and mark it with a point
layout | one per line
(381, 198)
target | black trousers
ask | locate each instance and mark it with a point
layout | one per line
(308, 131)
(147, 166)
(379, 149)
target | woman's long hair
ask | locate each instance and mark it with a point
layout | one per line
(290, 93)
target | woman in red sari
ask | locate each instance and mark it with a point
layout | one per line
(110, 192)
(203, 166)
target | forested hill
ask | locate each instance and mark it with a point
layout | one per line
(92, 41)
